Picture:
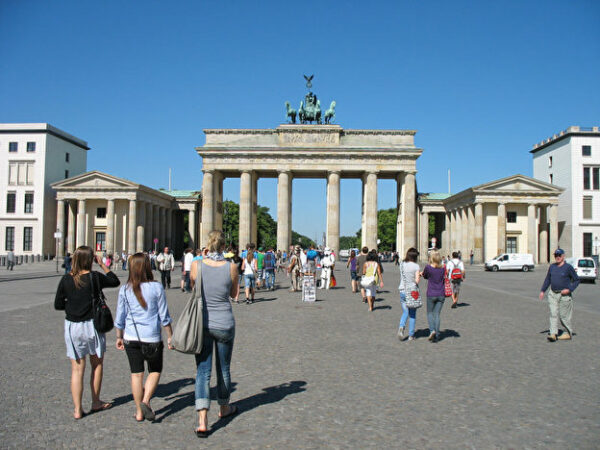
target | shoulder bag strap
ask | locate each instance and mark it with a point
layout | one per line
(131, 314)
(198, 288)
(92, 289)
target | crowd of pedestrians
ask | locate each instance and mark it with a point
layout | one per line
(142, 312)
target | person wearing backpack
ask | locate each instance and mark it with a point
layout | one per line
(456, 273)
(372, 270)
(269, 268)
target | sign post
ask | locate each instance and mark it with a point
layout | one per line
(155, 240)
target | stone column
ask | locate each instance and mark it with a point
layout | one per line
(218, 201)
(141, 227)
(245, 232)
(452, 215)
(254, 228)
(290, 211)
(501, 228)
(363, 212)
(169, 229)
(370, 230)
(192, 229)
(531, 231)
(60, 226)
(333, 211)
(424, 235)
(399, 230)
(478, 250)
(131, 227)
(71, 228)
(445, 247)
(208, 199)
(155, 226)
(81, 223)
(465, 232)
(471, 231)
(163, 228)
(110, 226)
(283, 210)
(553, 227)
(543, 245)
(409, 208)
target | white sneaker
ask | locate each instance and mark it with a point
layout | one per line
(411, 338)
(401, 333)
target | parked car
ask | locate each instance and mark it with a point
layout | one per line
(585, 267)
(511, 261)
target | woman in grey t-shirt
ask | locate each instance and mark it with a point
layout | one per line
(219, 283)
(408, 282)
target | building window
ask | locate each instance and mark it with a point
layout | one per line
(511, 245)
(27, 239)
(587, 244)
(551, 179)
(587, 207)
(591, 178)
(511, 217)
(13, 146)
(66, 174)
(20, 172)
(586, 150)
(100, 241)
(31, 147)
(11, 202)
(28, 202)
(550, 162)
(9, 242)
(101, 213)
(67, 157)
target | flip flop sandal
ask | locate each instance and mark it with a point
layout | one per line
(104, 407)
(148, 413)
(233, 410)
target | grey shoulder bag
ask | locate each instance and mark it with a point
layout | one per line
(187, 335)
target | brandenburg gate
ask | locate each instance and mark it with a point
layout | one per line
(309, 151)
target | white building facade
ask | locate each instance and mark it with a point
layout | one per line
(32, 156)
(571, 160)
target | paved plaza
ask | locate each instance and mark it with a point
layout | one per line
(328, 374)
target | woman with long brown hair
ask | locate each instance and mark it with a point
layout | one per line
(249, 269)
(75, 296)
(141, 311)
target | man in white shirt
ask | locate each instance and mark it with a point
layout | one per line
(166, 264)
(456, 273)
(187, 265)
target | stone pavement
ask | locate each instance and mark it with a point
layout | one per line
(328, 374)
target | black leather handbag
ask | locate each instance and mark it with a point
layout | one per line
(103, 319)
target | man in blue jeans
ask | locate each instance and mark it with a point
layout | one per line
(562, 281)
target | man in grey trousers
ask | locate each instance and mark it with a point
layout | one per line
(562, 281)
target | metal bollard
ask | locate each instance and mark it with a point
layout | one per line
(2, 260)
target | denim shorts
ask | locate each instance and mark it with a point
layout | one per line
(249, 281)
(354, 275)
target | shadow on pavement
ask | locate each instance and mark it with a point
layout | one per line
(461, 304)
(258, 300)
(382, 307)
(424, 333)
(269, 395)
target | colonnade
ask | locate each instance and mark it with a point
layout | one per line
(465, 231)
(212, 200)
(140, 223)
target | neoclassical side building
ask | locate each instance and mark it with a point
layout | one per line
(517, 214)
(113, 214)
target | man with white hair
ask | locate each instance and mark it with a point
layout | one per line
(327, 264)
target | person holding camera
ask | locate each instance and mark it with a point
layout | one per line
(75, 295)
(141, 311)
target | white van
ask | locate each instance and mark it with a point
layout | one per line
(511, 261)
(585, 268)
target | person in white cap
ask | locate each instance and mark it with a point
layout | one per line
(327, 264)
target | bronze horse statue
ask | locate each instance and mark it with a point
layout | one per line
(330, 113)
(290, 112)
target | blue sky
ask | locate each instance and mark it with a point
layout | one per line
(139, 80)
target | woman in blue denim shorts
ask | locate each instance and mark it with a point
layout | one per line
(249, 270)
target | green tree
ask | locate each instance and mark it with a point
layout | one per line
(231, 222)
(349, 242)
(267, 228)
(386, 228)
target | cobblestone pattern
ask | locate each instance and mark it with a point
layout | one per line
(328, 374)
